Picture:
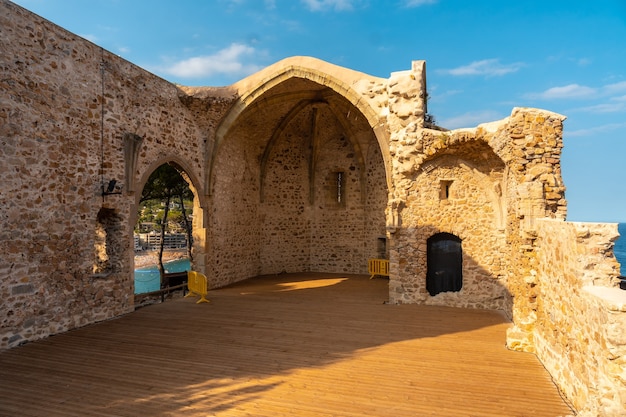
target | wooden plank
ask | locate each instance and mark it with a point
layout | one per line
(289, 345)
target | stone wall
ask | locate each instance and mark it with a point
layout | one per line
(580, 332)
(485, 185)
(286, 207)
(234, 245)
(68, 111)
(455, 193)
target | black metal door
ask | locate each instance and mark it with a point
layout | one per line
(444, 264)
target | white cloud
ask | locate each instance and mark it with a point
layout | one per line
(615, 88)
(321, 5)
(596, 130)
(614, 107)
(227, 61)
(487, 67)
(469, 119)
(565, 92)
(577, 91)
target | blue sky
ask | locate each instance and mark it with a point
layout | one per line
(483, 58)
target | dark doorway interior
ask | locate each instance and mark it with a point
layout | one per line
(444, 263)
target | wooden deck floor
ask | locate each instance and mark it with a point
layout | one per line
(289, 345)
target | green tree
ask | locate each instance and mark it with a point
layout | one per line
(165, 185)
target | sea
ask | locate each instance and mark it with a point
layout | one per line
(620, 248)
(147, 279)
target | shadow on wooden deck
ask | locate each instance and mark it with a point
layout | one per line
(286, 345)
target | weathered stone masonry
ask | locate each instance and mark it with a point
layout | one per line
(304, 166)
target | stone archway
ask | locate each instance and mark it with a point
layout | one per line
(354, 87)
(199, 205)
(286, 151)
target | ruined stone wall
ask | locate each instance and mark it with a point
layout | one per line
(580, 332)
(234, 246)
(453, 195)
(501, 177)
(74, 116)
(531, 146)
(66, 250)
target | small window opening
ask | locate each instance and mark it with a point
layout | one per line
(444, 190)
(335, 189)
(339, 187)
(382, 248)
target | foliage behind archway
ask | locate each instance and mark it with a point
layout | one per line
(163, 203)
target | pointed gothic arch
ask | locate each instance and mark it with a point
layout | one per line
(199, 202)
(338, 81)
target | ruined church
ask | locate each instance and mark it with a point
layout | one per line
(303, 166)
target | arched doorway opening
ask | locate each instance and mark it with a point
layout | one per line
(444, 264)
(164, 229)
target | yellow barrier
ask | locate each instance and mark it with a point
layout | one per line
(378, 267)
(197, 285)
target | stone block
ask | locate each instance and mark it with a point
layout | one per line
(22, 289)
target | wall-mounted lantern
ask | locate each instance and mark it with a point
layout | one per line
(112, 187)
